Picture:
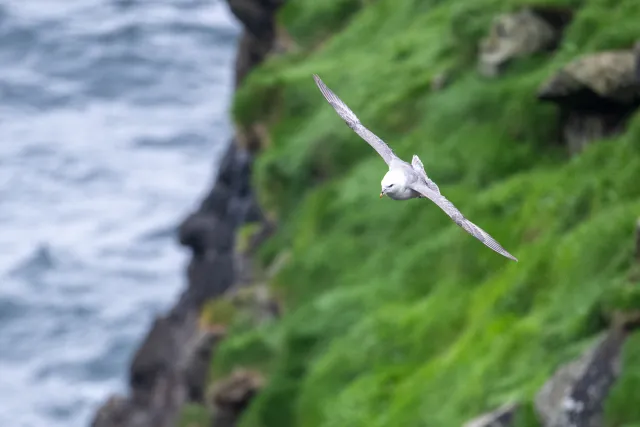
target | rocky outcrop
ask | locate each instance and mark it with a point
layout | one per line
(596, 95)
(196, 368)
(575, 395)
(170, 366)
(259, 35)
(232, 395)
(158, 390)
(520, 34)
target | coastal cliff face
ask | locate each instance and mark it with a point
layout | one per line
(169, 370)
(312, 302)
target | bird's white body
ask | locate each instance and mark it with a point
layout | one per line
(395, 185)
(406, 180)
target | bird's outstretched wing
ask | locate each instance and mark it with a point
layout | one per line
(352, 121)
(459, 219)
(417, 166)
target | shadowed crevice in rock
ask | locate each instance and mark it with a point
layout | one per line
(596, 95)
(556, 16)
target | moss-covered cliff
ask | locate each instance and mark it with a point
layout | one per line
(392, 315)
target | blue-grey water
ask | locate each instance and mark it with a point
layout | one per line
(112, 116)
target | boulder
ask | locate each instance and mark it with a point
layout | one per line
(591, 79)
(231, 395)
(574, 396)
(520, 34)
(596, 94)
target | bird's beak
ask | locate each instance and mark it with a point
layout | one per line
(381, 194)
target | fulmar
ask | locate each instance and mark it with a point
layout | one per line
(406, 181)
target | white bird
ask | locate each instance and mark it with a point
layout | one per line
(406, 181)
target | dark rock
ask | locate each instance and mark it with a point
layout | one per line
(252, 212)
(233, 394)
(157, 390)
(259, 36)
(198, 360)
(216, 201)
(591, 79)
(256, 15)
(209, 277)
(240, 209)
(251, 52)
(203, 232)
(580, 129)
(596, 94)
(575, 395)
(235, 168)
(226, 166)
(153, 359)
(520, 34)
(243, 168)
(556, 16)
(501, 417)
(115, 412)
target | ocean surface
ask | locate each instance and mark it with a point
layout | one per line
(113, 114)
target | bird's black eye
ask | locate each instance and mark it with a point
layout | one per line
(390, 185)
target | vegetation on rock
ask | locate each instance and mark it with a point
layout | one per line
(393, 315)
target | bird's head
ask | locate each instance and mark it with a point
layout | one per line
(392, 182)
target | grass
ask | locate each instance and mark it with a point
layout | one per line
(394, 315)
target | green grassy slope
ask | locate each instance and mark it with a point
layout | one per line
(394, 315)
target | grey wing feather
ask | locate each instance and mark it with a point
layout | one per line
(459, 219)
(417, 165)
(354, 123)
